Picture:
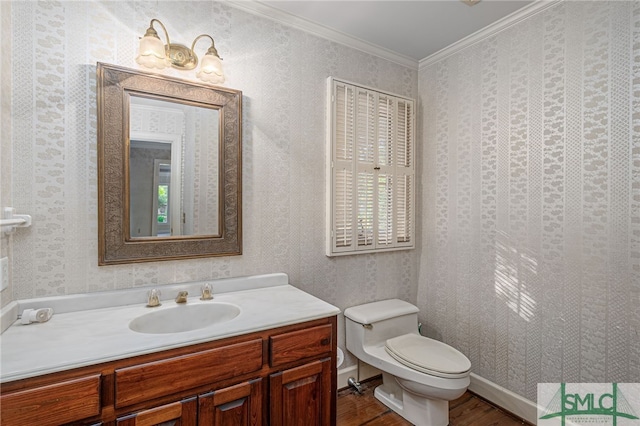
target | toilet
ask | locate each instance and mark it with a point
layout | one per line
(420, 375)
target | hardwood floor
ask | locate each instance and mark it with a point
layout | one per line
(468, 410)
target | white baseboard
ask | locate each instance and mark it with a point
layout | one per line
(344, 374)
(361, 372)
(504, 398)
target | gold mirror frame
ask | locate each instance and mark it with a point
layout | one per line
(115, 246)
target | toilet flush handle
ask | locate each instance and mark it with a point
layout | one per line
(367, 326)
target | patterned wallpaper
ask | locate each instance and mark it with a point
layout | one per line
(530, 192)
(282, 73)
(531, 198)
(5, 135)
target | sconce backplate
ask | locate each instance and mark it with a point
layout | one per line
(182, 57)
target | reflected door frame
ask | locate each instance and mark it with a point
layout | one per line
(175, 185)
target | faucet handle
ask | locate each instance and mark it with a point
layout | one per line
(207, 292)
(154, 298)
(182, 297)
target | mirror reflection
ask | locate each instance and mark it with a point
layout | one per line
(174, 169)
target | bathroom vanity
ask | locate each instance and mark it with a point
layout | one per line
(272, 364)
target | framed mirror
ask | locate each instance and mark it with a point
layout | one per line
(169, 168)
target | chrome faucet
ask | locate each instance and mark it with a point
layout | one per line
(154, 298)
(182, 297)
(207, 293)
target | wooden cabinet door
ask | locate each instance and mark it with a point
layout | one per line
(182, 413)
(238, 405)
(301, 396)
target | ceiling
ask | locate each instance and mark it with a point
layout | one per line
(412, 29)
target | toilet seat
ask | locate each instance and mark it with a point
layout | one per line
(428, 356)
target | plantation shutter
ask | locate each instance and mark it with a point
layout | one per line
(404, 174)
(370, 195)
(344, 191)
(365, 195)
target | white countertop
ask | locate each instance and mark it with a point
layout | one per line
(77, 338)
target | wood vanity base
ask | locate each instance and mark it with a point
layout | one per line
(282, 376)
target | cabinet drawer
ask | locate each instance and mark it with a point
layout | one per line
(178, 413)
(160, 378)
(54, 404)
(289, 347)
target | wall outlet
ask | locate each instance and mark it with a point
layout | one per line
(4, 273)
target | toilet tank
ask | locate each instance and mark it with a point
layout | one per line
(373, 323)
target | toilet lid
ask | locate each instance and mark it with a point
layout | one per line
(428, 356)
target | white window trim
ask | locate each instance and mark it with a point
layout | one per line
(353, 166)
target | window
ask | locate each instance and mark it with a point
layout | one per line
(370, 171)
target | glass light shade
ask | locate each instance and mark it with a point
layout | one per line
(152, 53)
(211, 69)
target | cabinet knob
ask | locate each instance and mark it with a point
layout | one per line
(325, 342)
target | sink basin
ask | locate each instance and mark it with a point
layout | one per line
(183, 318)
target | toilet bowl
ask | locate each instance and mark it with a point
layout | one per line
(420, 375)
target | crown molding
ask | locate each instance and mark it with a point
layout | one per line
(258, 8)
(488, 31)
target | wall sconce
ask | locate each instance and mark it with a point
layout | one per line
(154, 54)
